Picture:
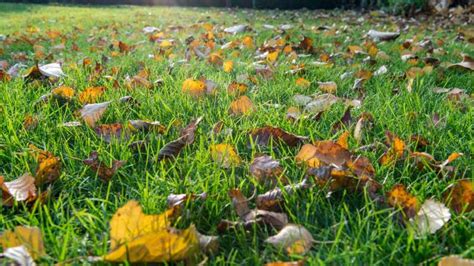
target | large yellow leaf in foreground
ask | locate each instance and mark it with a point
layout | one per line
(129, 223)
(138, 237)
(159, 246)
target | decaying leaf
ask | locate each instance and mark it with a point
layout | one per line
(104, 172)
(22, 189)
(294, 239)
(265, 135)
(398, 197)
(321, 103)
(91, 113)
(467, 63)
(328, 87)
(267, 170)
(63, 93)
(48, 168)
(242, 106)
(460, 196)
(225, 155)
(172, 149)
(180, 199)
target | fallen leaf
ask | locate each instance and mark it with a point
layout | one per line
(242, 106)
(111, 131)
(180, 199)
(382, 36)
(104, 172)
(267, 170)
(264, 135)
(172, 149)
(52, 70)
(396, 150)
(398, 197)
(294, 239)
(460, 196)
(63, 93)
(29, 238)
(455, 260)
(431, 217)
(328, 87)
(91, 94)
(467, 63)
(225, 155)
(91, 113)
(22, 189)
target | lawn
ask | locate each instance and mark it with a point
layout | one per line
(350, 224)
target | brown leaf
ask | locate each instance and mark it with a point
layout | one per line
(455, 260)
(172, 149)
(271, 200)
(264, 135)
(467, 63)
(460, 196)
(267, 171)
(104, 172)
(111, 131)
(49, 166)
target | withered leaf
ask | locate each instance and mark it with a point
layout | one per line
(398, 197)
(172, 149)
(104, 172)
(91, 113)
(460, 196)
(267, 170)
(225, 155)
(264, 135)
(294, 239)
(22, 189)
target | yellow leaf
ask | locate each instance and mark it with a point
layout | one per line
(271, 57)
(228, 66)
(91, 94)
(225, 155)
(129, 223)
(342, 140)
(194, 87)
(63, 93)
(302, 82)
(159, 246)
(242, 106)
(29, 237)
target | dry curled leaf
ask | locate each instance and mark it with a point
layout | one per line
(22, 189)
(271, 200)
(91, 113)
(267, 170)
(294, 239)
(180, 199)
(265, 135)
(104, 172)
(172, 149)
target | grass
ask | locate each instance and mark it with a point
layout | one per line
(354, 230)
